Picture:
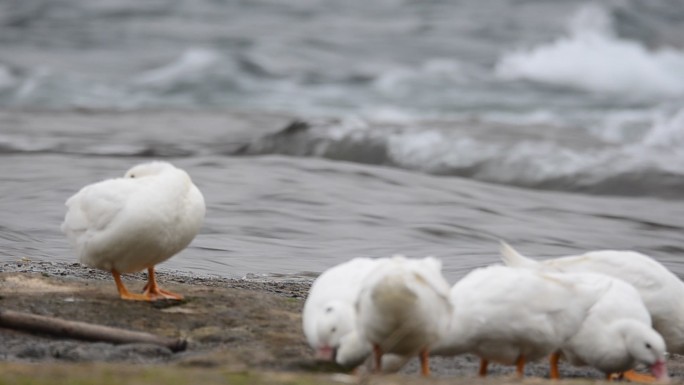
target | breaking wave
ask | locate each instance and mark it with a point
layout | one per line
(653, 165)
(591, 58)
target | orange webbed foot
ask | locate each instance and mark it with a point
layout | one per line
(633, 376)
(124, 293)
(158, 293)
(153, 292)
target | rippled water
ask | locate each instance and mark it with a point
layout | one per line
(385, 58)
(275, 214)
(425, 127)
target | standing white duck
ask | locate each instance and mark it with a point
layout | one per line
(514, 316)
(661, 291)
(403, 308)
(329, 316)
(124, 225)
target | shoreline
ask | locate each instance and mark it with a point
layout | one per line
(232, 325)
(289, 286)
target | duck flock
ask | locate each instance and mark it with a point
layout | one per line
(611, 310)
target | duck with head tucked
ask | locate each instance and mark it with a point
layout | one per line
(124, 225)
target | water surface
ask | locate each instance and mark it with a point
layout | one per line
(275, 214)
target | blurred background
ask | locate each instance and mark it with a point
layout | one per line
(418, 122)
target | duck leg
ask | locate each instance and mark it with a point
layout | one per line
(553, 360)
(153, 292)
(520, 366)
(483, 367)
(124, 293)
(424, 362)
(377, 355)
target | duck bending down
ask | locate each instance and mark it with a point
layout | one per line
(661, 291)
(514, 316)
(124, 225)
(403, 308)
(329, 316)
(616, 335)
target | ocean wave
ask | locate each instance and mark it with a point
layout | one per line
(592, 58)
(192, 65)
(372, 58)
(17, 144)
(661, 127)
(667, 131)
(198, 76)
(436, 72)
(653, 166)
(648, 161)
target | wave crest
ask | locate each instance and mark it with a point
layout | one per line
(652, 166)
(592, 58)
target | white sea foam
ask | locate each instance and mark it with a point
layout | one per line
(523, 162)
(435, 71)
(623, 126)
(667, 131)
(538, 116)
(33, 83)
(389, 114)
(591, 58)
(190, 65)
(28, 143)
(534, 162)
(351, 126)
(432, 151)
(659, 129)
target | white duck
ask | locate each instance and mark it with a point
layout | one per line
(616, 335)
(661, 291)
(403, 308)
(124, 225)
(514, 316)
(329, 316)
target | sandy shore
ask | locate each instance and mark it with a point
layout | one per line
(233, 326)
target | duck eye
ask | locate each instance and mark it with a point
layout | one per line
(329, 309)
(648, 346)
(132, 175)
(333, 330)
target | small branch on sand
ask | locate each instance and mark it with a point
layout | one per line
(82, 330)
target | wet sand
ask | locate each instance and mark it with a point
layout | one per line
(233, 326)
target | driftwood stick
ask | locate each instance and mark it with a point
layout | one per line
(82, 330)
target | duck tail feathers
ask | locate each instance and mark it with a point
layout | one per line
(512, 258)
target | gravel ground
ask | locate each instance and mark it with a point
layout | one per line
(234, 324)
